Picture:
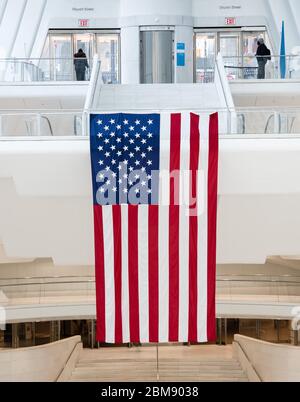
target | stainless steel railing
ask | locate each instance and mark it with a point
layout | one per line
(55, 123)
(275, 288)
(246, 67)
(27, 123)
(50, 69)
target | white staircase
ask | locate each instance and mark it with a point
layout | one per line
(176, 364)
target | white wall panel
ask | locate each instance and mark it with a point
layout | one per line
(130, 55)
(184, 34)
(281, 11)
(295, 7)
(10, 25)
(3, 4)
(46, 200)
(28, 29)
(165, 7)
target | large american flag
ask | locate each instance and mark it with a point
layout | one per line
(155, 206)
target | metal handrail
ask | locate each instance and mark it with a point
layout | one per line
(268, 123)
(244, 122)
(43, 58)
(91, 280)
(292, 56)
(93, 276)
(49, 124)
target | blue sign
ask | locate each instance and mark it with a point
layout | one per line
(180, 46)
(180, 59)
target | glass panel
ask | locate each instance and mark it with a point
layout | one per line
(44, 65)
(205, 56)
(6, 337)
(86, 43)
(249, 51)
(157, 56)
(61, 53)
(108, 51)
(42, 333)
(230, 50)
(248, 328)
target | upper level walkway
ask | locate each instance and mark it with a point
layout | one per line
(244, 296)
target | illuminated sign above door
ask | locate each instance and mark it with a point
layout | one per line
(230, 21)
(83, 23)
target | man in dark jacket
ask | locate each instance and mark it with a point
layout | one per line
(81, 64)
(263, 54)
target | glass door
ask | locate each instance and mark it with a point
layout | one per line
(61, 57)
(157, 56)
(108, 50)
(205, 53)
(249, 48)
(85, 41)
(229, 47)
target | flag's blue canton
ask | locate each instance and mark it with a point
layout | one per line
(125, 150)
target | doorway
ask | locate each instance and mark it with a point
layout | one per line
(237, 46)
(157, 55)
(57, 63)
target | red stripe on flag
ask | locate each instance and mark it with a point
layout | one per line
(212, 225)
(117, 228)
(193, 227)
(99, 272)
(153, 272)
(174, 228)
(133, 273)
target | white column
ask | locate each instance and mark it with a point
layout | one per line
(295, 7)
(130, 55)
(184, 35)
(28, 28)
(3, 4)
(282, 11)
(10, 25)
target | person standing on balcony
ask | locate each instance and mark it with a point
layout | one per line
(81, 65)
(263, 54)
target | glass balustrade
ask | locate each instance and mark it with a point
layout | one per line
(247, 67)
(40, 123)
(230, 288)
(268, 122)
(54, 70)
(64, 69)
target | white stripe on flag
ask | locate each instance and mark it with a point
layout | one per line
(109, 274)
(184, 228)
(202, 229)
(164, 200)
(143, 273)
(125, 283)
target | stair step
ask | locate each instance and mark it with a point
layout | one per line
(175, 371)
(207, 364)
(161, 379)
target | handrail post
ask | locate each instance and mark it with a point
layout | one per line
(38, 124)
(226, 92)
(89, 96)
(276, 123)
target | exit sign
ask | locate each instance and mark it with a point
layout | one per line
(230, 21)
(83, 23)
